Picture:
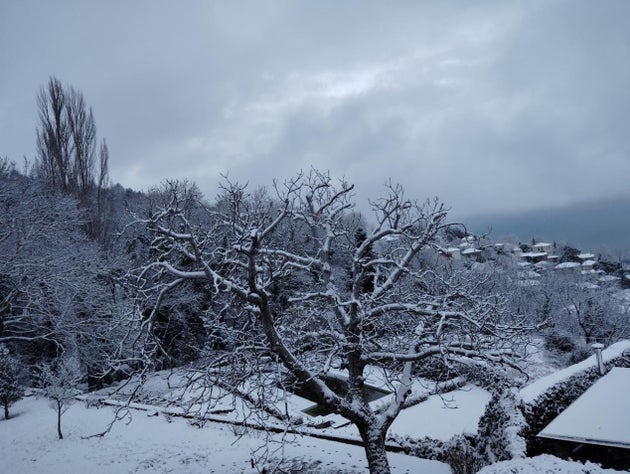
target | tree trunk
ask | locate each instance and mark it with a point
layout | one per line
(6, 411)
(59, 420)
(374, 445)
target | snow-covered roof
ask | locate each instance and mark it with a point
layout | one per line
(470, 251)
(589, 263)
(564, 265)
(607, 278)
(542, 245)
(601, 415)
(532, 391)
(534, 254)
(586, 256)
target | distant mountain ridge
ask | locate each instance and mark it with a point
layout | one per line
(591, 225)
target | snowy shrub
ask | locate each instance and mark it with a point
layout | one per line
(426, 448)
(10, 390)
(542, 410)
(461, 452)
(463, 455)
(500, 427)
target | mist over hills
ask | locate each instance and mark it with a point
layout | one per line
(592, 225)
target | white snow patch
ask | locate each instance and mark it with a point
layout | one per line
(444, 416)
(544, 464)
(153, 444)
(565, 265)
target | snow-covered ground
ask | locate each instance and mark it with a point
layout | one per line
(28, 444)
(544, 464)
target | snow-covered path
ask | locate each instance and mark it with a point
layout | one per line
(28, 444)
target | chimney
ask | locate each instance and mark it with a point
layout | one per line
(600, 360)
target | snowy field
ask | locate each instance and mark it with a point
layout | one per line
(152, 444)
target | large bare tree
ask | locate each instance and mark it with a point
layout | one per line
(296, 276)
(67, 155)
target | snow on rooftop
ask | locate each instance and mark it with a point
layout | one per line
(444, 416)
(534, 254)
(542, 245)
(587, 263)
(532, 391)
(564, 265)
(470, 251)
(586, 256)
(607, 278)
(601, 415)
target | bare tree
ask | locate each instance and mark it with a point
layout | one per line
(59, 384)
(291, 303)
(56, 287)
(10, 390)
(67, 151)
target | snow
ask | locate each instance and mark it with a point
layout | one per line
(544, 464)
(470, 251)
(443, 416)
(601, 415)
(153, 444)
(534, 390)
(528, 274)
(586, 256)
(608, 278)
(623, 295)
(534, 254)
(565, 265)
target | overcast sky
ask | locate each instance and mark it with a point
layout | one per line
(491, 106)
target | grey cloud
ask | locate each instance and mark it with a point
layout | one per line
(491, 105)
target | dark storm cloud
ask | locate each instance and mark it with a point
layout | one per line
(490, 106)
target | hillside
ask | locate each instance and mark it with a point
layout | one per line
(589, 225)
